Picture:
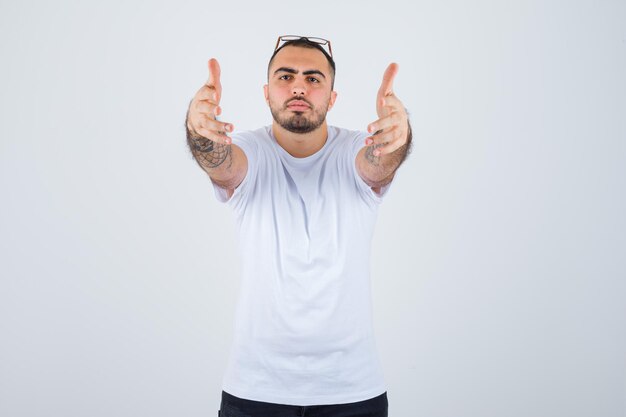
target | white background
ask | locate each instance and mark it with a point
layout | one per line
(498, 263)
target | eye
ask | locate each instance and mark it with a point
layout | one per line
(284, 77)
(314, 80)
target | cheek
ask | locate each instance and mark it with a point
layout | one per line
(278, 95)
(320, 97)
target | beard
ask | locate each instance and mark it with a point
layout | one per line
(296, 121)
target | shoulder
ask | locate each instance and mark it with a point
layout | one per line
(342, 132)
(350, 135)
(261, 133)
(352, 140)
(252, 141)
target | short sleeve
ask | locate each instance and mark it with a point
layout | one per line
(357, 143)
(247, 143)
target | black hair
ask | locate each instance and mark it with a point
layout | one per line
(305, 43)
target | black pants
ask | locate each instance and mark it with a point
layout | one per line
(232, 406)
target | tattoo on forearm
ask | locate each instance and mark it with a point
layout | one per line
(208, 154)
(369, 154)
(392, 161)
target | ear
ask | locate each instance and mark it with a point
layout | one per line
(266, 93)
(331, 101)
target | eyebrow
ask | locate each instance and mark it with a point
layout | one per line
(295, 71)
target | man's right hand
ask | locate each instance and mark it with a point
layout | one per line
(205, 106)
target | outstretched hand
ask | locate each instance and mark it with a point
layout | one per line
(205, 106)
(391, 130)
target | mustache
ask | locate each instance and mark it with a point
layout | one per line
(298, 99)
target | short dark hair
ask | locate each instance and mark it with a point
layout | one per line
(305, 43)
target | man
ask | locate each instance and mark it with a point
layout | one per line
(305, 196)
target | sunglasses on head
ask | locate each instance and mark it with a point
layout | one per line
(324, 43)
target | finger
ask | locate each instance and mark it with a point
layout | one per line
(384, 149)
(215, 125)
(207, 107)
(391, 101)
(211, 128)
(204, 128)
(214, 73)
(389, 136)
(214, 136)
(207, 93)
(386, 87)
(393, 118)
(213, 82)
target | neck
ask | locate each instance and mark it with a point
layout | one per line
(300, 145)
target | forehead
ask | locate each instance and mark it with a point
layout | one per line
(301, 59)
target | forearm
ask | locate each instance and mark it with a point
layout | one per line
(378, 171)
(216, 159)
(209, 155)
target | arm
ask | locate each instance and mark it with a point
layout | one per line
(225, 163)
(378, 171)
(390, 143)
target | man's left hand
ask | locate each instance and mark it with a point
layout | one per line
(390, 131)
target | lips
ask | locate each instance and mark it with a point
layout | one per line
(298, 105)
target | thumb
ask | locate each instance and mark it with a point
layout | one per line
(214, 74)
(386, 87)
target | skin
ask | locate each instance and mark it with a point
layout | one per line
(226, 164)
(304, 75)
(389, 142)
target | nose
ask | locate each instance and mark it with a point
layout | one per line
(298, 89)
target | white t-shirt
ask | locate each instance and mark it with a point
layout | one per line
(303, 329)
